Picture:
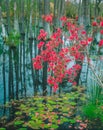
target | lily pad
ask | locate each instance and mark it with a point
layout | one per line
(17, 123)
(2, 128)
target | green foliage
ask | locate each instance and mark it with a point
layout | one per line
(54, 126)
(18, 123)
(95, 95)
(71, 10)
(22, 128)
(13, 39)
(89, 111)
(93, 112)
(2, 128)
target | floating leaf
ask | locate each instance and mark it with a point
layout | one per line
(18, 113)
(51, 102)
(65, 119)
(2, 128)
(72, 121)
(16, 123)
(33, 125)
(72, 103)
(22, 128)
(54, 126)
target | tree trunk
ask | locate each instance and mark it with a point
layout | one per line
(11, 89)
(47, 29)
(16, 63)
(23, 44)
(86, 12)
(4, 77)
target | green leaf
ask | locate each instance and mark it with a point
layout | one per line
(52, 102)
(72, 121)
(33, 125)
(72, 103)
(2, 128)
(33, 118)
(18, 113)
(54, 126)
(65, 119)
(22, 128)
(16, 123)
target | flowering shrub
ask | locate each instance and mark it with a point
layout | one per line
(58, 56)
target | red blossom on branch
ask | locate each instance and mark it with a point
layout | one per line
(101, 24)
(48, 18)
(42, 35)
(94, 23)
(40, 45)
(101, 43)
(90, 39)
(101, 32)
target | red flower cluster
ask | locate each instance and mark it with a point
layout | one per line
(63, 18)
(40, 45)
(101, 32)
(101, 43)
(42, 35)
(101, 24)
(48, 18)
(90, 39)
(83, 32)
(72, 73)
(94, 23)
(37, 62)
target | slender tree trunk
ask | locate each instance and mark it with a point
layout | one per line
(31, 46)
(12, 75)
(79, 72)
(20, 72)
(23, 44)
(15, 51)
(3, 69)
(40, 5)
(10, 62)
(8, 16)
(86, 12)
(8, 25)
(4, 77)
(80, 21)
(46, 28)
(97, 8)
(55, 14)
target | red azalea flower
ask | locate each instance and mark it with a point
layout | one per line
(74, 83)
(101, 32)
(49, 18)
(101, 43)
(55, 87)
(42, 35)
(101, 23)
(94, 23)
(90, 39)
(83, 32)
(41, 43)
(84, 42)
(63, 18)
